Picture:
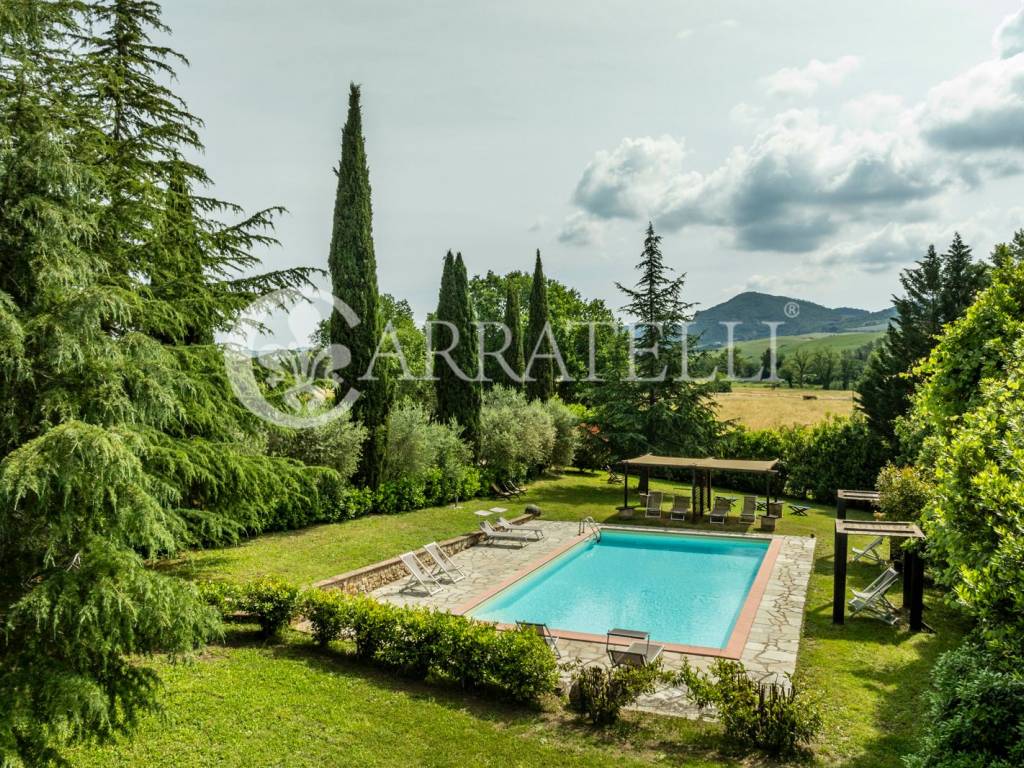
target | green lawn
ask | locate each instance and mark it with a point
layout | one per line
(809, 342)
(255, 704)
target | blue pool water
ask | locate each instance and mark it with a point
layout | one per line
(681, 589)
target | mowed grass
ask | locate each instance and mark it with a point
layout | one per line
(757, 407)
(255, 704)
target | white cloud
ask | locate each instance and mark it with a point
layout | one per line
(684, 34)
(806, 80)
(580, 229)
(1008, 39)
(728, 23)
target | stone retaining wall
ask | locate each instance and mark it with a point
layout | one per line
(371, 577)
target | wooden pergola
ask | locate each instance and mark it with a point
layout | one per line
(701, 469)
(844, 497)
(913, 566)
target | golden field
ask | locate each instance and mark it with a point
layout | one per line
(762, 407)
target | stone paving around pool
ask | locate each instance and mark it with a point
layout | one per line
(771, 647)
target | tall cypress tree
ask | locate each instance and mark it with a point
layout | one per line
(514, 322)
(353, 269)
(458, 396)
(540, 372)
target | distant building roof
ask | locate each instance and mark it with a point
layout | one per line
(724, 465)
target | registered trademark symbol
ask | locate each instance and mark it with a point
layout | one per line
(791, 310)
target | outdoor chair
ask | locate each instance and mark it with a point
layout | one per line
(639, 652)
(504, 525)
(798, 509)
(510, 488)
(872, 599)
(869, 552)
(545, 634)
(653, 508)
(491, 535)
(749, 512)
(444, 563)
(680, 508)
(499, 492)
(419, 574)
(720, 512)
(613, 476)
(520, 489)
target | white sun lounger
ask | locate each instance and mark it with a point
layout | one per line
(504, 525)
(872, 599)
(639, 653)
(869, 553)
(653, 506)
(419, 574)
(491, 535)
(444, 563)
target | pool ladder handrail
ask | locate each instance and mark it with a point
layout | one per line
(588, 523)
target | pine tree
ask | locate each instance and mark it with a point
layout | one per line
(513, 321)
(652, 408)
(936, 291)
(540, 371)
(458, 396)
(353, 269)
(119, 440)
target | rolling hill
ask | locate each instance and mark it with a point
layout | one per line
(751, 310)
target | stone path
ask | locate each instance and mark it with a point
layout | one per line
(770, 651)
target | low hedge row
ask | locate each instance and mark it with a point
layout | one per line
(414, 642)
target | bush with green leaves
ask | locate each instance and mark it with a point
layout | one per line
(336, 444)
(903, 492)
(517, 436)
(975, 713)
(767, 716)
(599, 694)
(271, 602)
(328, 612)
(567, 435)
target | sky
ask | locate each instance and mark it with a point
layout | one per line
(802, 148)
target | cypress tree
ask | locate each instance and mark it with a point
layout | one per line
(458, 396)
(353, 269)
(540, 372)
(513, 321)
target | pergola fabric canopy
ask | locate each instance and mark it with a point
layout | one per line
(723, 465)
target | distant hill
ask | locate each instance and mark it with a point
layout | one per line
(798, 317)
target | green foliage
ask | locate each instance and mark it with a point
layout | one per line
(421, 643)
(274, 604)
(514, 357)
(517, 436)
(337, 444)
(540, 371)
(903, 492)
(353, 267)
(458, 396)
(937, 291)
(817, 460)
(975, 713)
(567, 434)
(766, 716)
(600, 694)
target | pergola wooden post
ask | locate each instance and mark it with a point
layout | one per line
(913, 566)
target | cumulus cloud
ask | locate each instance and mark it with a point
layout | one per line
(981, 109)
(806, 80)
(804, 181)
(1008, 39)
(684, 34)
(893, 245)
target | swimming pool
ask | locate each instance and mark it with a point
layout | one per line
(687, 590)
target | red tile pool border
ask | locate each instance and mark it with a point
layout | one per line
(740, 632)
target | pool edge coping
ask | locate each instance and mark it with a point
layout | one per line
(741, 629)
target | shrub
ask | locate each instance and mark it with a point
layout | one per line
(337, 444)
(903, 492)
(221, 595)
(600, 694)
(273, 604)
(974, 716)
(516, 436)
(766, 716)
(328, 611)
(567, 435)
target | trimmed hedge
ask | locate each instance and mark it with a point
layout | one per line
(816, 460)
(414, 642)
